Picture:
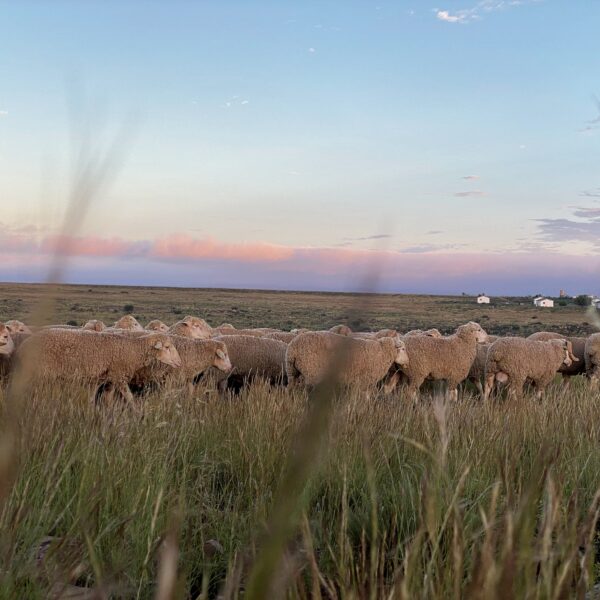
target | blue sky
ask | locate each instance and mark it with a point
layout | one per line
(280, 143)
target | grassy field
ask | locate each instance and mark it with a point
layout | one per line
(278, 494)
(286, 310)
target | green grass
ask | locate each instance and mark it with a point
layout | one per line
(467, 501)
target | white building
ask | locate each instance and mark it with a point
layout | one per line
(483, 299)
(542, 302)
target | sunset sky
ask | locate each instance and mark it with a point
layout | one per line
(327, 145)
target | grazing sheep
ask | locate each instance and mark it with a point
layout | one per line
(192, 327)
(15, 326)
(341, 330)
(578, 344)
(128, 322)
(9, 344)
(435, 333)
(515, 360)
(95, 358)
(94, 325)
(442, 358)
(197, 356)
(157, 325)
(245, 332)
(298, 330)
(386, 333)
(592, 358)
(282, 336)
(252, 357)
(364, 363)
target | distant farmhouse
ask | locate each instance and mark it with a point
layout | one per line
(483, 299)
(542, 302)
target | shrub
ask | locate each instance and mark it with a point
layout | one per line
(128, 308)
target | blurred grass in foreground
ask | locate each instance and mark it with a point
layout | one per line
(463, 501)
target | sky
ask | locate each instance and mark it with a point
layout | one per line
(423, 147)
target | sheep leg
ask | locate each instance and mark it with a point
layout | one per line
(190, 388)
(453, 394)
(390, 385)
(479, 387)
(489, 385)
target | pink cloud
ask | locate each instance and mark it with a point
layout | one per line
(182, 246)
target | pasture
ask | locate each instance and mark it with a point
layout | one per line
(277, 493)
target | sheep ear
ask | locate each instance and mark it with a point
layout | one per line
(186, 323)
(221, 354)
(158, 345)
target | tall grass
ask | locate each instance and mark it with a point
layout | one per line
(468, 500)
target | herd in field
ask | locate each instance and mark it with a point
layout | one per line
(126, 358)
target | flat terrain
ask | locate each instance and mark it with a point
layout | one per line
(286, 310)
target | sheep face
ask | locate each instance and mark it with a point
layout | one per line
(94, 325)
(6, 343)
(128, 322)
(401, 354)
(157, 325)
(164, 352)
(221, 359)
(435, 333)
(341, 330)
(197, 328)
(480, 335)
(566, 345)
(15, 326)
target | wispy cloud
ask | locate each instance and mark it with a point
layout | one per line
(592, 124)
(470, 177)
(470, 194)
(586, 229)
(434, 232)
(312, 50)
(595, 193)
(380, 236)
(479, 10)
(3, 113)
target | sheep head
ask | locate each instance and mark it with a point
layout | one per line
(221, 359)
(341, 330)
(164, 351)
(128, 322)
(94, 325)
(157, 325)
(15, 326)
(198, 328)
(473, 329)
(401, 353)
(6, 343)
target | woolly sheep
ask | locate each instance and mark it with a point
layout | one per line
(192, 327)
(435, 333)
(95, 358)
(341, 330)
(157, 325)
(128, 322)
(7, 345)
(197, 356)
(94, 325)
(442, 358)
(592, 358)
(364, 363)
(514, 360)
(15, 326)
(477, 370)
(578, 349)
(253, 357)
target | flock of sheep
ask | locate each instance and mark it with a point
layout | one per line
(126, 358)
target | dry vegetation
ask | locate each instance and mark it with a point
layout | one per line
(285, 310)
(271, 494)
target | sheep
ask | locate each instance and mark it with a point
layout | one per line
(253, 357)
(95, 358)
(282, 336)
(435, 333)
(578, 344)
(94, 325)
(386, 333)
(341, 330)
(514, 360)
(197, 356)
(364, 363)
(15, 326)
(7, 358)
(592, 358)
(442, 358)
(245, 332)
(128, 322)
(192, 327)
(157, 325)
